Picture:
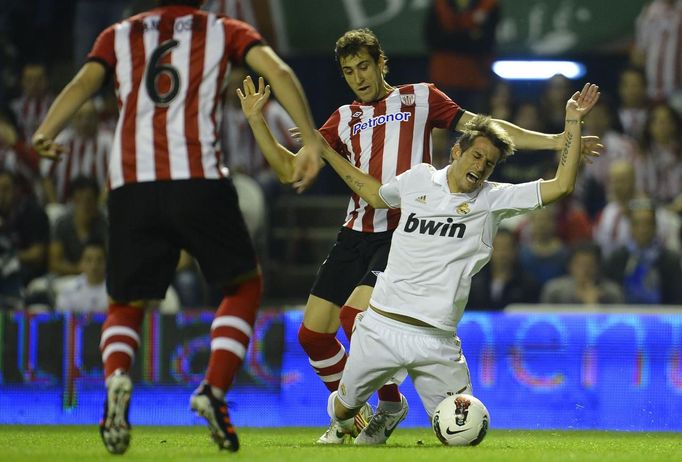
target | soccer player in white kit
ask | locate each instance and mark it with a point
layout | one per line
(448, 222)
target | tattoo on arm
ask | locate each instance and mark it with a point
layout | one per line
(572, 121)
(567, 146)
(357, 183)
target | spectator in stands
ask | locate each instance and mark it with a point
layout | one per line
(544, 256)
(9, 158)
(649, 272)
(501, 100)
(634, 102)
(502, 282)
(612, 229)
(658, 46)
(13, 157)
(87, 148)
(240, 150)
(10, 274)
(553, 102)
(659, 169)
(583, 284)
(31, 105)
(26, 225)
(571, 223)
(604, 123)
(255, 12)
(86, 292)
(107, 109)
(527, 165)
(82, 223)
(461, 35)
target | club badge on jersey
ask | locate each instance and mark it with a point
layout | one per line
(463, 209)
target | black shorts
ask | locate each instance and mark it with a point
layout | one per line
(352, 262)
(149, 223)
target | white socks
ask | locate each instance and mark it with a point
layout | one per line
(348, 424)
(390, 407)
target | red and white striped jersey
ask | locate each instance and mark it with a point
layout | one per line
(83, 157)
(659, 37)
(170, 65)
(29, 112)
(386, 138)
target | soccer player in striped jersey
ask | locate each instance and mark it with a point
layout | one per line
(167, 189)
(444, 236)
(384, 132)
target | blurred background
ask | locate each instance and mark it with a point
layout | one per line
(580, 306)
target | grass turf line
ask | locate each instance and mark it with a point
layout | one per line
(171, 444)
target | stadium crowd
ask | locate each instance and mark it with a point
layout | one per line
(616, 240)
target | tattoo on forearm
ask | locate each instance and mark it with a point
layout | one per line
(572, 121)
(353, 182)
(567, 146)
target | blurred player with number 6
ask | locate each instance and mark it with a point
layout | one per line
(168, 191)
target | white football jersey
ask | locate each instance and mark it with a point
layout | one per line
(441, 241)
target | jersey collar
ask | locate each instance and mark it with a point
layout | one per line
(441, 179)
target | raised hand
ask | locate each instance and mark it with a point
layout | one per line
(582, 102)
(252, 99)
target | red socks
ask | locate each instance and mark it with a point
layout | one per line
(347, 317)
(326, 355)
(231, 332)
(120, 337)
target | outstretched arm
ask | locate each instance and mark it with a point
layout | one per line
(361, 183)
(88, 80)
(288, 89)
(252, 100)
(563, 182)
(532, 140)
(282, 160)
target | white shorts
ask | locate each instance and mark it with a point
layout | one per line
(381, 347)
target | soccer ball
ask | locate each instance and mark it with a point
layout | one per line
(460, 420)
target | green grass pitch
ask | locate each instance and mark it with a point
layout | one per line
(170, 444)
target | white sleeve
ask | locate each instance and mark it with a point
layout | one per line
(390, 192)
(507, 200)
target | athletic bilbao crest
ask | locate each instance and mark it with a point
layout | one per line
(461, 410)
(407, 100)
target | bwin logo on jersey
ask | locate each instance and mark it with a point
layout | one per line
(381, 120)
(434, 228)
